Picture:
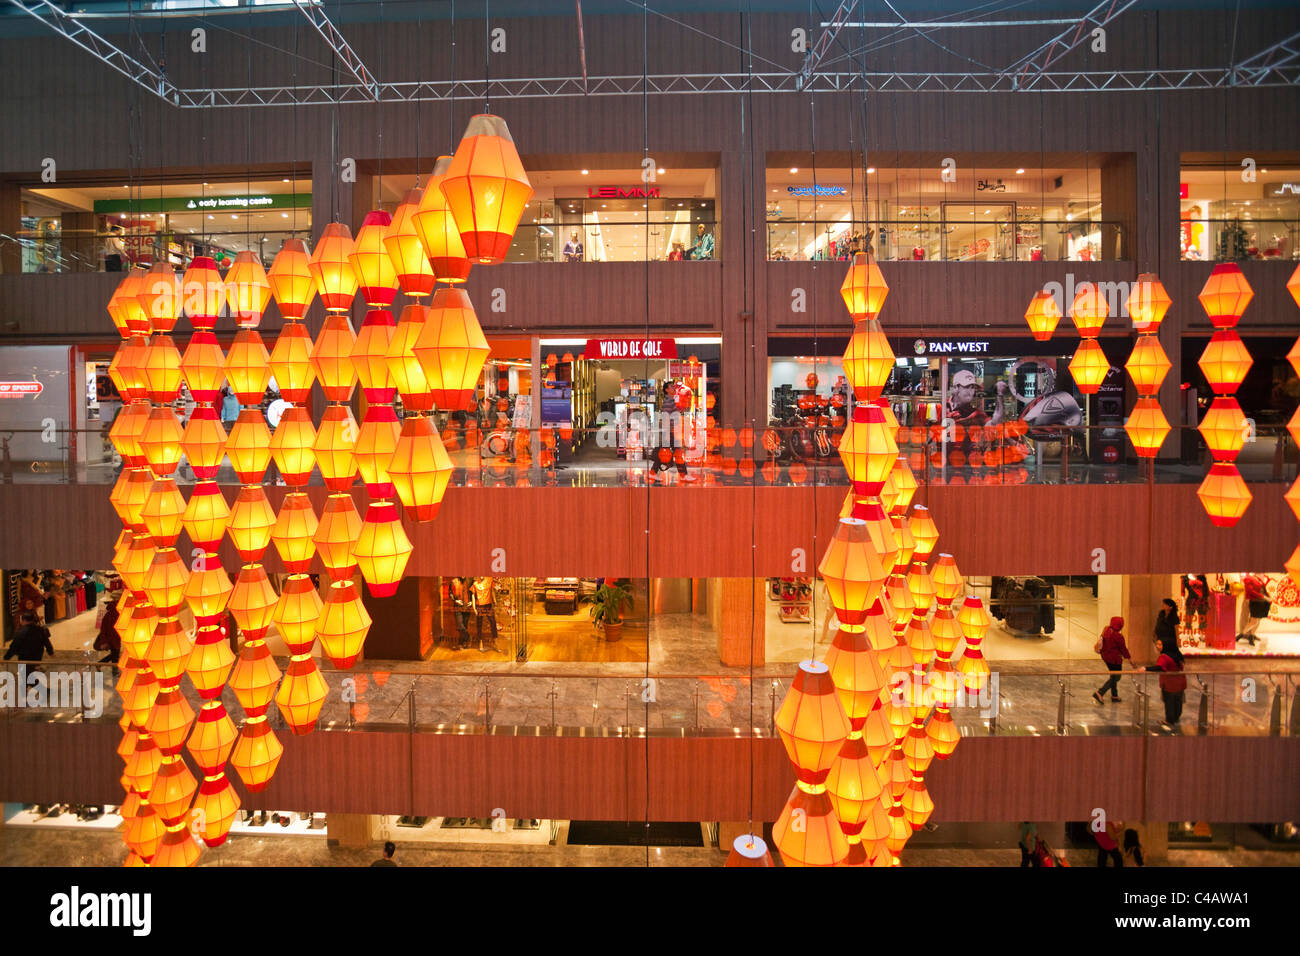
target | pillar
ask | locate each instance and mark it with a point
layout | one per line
(398, 631)
(736, 608)
(349, 829)
(11, 256)
(1140, 597)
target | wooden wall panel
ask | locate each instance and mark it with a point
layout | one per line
(1248, 779)
(337, 772)
(54, 763)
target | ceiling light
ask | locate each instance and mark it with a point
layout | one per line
(661, 170)
(987, 211)
(1020, 172)
(794, 169)
(871, 169)
(284, 215)
(210, 216)
(584, 172)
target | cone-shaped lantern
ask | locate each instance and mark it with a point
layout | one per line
(382, 549)
(291, 280)
(749, 850)
(420, 468)
(1043, 315)
(437, 230)
(807, 832)
(376, 277)
(343, 625)
(331, 269)
(402, 240)
(868, 361)
(1147, 302)
(1225, 295)
(864, 288)
(248, 291)
(1224, 495)
(486, 189)
(852, 571)
(256, 754)
(451, 349)
(301, 695)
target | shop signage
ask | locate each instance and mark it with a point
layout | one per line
(20, 389)
(817, 190)
(685, 369)
(951, 347)
(1182, 190)
(1287, 189)
(630, 349)
(622, 192)
(997, 187)
(158, 204)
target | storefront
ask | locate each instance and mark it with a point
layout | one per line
(1251, 614)
(40, 390)
(1231, 212)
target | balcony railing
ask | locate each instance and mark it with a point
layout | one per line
(953, 240)
(617, 456)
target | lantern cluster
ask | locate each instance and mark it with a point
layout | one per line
(1089, 365)
(1148, 365)
(432, 358)
(1224, 363)
(862, 726)
(1293, 426)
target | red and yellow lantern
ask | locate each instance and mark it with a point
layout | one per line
(486, 189)
(402, 240)
(331, 268)
(451, 349)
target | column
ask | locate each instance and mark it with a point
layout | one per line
(349, 829)
(11, 256)
(736, 606)
(398, 631)
(1140, 597)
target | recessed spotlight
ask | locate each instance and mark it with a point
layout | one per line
(871, 169)
(987, 211)
(233, 216)
(284, 215)
(1020, 172)
(210, 216)
(661, 170)
(602, 205)
(126, 187)
(584, 172)
(793, 170)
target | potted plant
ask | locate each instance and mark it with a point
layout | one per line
(607, 607)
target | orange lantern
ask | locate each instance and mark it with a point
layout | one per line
(1147, 365)
(943, 733)
(868, 360)
(173, 788)
(252, 602)
(1089, 310)
(164, 582)
(369, 357)
(864, 288)
(162, 512)
(332, 358)
(169, 650)
(144, 831)
(948, 581)
(343, 625)
(170, 720)
(916, 802)
(251, 521)
(437, 229)
(1043, 315)
(291, 363)
(812, 722)
(1147, 427)
(215, 807)
(160, 296)
(337, 532)
(382, 549)
(749, 850)
(335, 448)
(293, 532)
(376, 277)
(402, 240)
(853, 786)
(209, 665)
(868, 450)
(297, 612)
(214, 734)
(973, 667)
(137, 701)
(924, 531)
(807, 832)
(1223, 429)
(420, 468)
(1225, 362)
(1089, 366)
(331, 268)
(1225, 295)
(255, 677)
(256, 754)
(899, 597)
(301, 695)
(203, 293)
(206, 516)
(292, 446)
(406, 370)
(852, 570)
(203, 366)
(124, 305)
(247, 371)
(1224, 495)
(855, 671)
(451, 349)
(921, 587)
(291, 280)
(919, 640)
(248, 290)
(1148, 302)
(376, 442)
(207, 590)
(486, 189)
(161, 369)
(905, 485)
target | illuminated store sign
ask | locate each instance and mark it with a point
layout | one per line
(1287, 189)
(951, 347)
(256, 202)
(20, 389)
(630, 349)
(623, 192)
(817, 190)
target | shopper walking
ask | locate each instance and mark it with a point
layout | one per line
(1173, 683)
(1255, 605)
(108, 638)
(1114, 652)
(387, 859)
(1107, 848)
(31, 642)
(1167, 623)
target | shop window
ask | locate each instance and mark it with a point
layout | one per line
(1229, 212)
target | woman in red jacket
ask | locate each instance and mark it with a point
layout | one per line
(1114, 651)
(1173, 684)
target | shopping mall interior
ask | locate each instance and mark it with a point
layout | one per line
(688, 435)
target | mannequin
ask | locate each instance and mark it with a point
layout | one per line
(481, 598)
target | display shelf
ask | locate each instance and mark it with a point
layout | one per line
(793, 597)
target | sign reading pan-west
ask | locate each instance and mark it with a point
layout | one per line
(256, 202)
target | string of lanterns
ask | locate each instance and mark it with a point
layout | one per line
(432, 357)
(1293, 426)
(862, 726)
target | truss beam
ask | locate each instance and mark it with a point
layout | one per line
(323, 25)
(829, 32)
(1027, 70)
(1253, 70)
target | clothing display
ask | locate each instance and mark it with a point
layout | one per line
(1024, 604)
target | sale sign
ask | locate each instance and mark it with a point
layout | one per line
(20, 389)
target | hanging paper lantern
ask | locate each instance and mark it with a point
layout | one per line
(369, 357)
(159, 297)
(1089, 310)
(376, 443)
(173, 788)
(137, 561)
(336, 534)
(137, 701)
(486, 189)
(162, 511)
(138, 633)
(1223, 429)
(898, 595)
(203, 442)
(382, 549)
(921, 587)
(1225, 295)
(301, 695)
(1292, 565)
(868, 361)
(252, 601)
(402, 240)
(255, 677)
(331, 268)
(203, 293)
(292, 446)
(216, 805)
(291, 280)
(247, 371)
(420, 468)
(1148, 302)
(811, 722)
(868, 450)
(335, 448)
(864, 288)
(855, 671)
(807, 832)
(1292, 498)
(160, 370)
(290, 362)
(852, 571)
(973, 668)
(1043, 315)
(916, 803)
(294, 532)
(144, 831)
(332, 358)
(170, 720)
(248, 290)
(124, 305)
(203, 366)
(451, 349)
(406, 371)
(256, 754)
(251, 521)
(297, 612)
(919, 640)
(749, 850)
(209, 665)
(853, 786)
(207, 590)
(125, 368)
(1089, 366)
(376, 277)
(206, 516)
(1224, 495)
(1225, 362)
(1147, 365)
(437, 229)
(343, 625)
(948, 581)
(943, 733)
(168, 651)
(164, 581)
(160, 441)
(924, 531)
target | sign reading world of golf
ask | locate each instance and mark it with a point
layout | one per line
(630, 348)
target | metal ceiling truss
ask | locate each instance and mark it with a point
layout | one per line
(1027, 71)
(319, 19)
(829, 32)
(1276, 59)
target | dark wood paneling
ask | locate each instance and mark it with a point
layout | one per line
(337, 773)
(1248, 779)
(50, 763)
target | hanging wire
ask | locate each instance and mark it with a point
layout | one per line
(645, 153)
(419, 103)
(293, 148)
(746, 285)
(487, 57)
(451, 111)
(248, 153)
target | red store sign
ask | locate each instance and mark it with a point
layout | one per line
(20, 389)
(628, 348)
(622, 192)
